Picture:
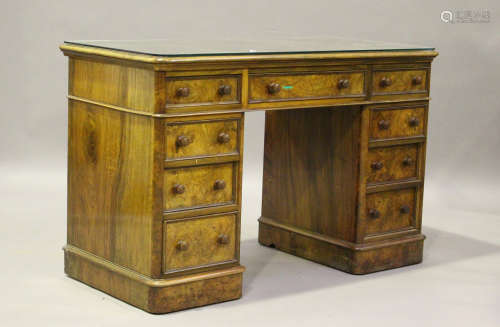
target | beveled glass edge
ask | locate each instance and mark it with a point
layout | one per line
(247, 53)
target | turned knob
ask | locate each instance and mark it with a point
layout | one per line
(343, 84)
(182, 92)
(223, 239)
(219, 185)
(404, 209)
(181, 246)
(416, 80)
(183, 140)
(374, 213)
(384, 124)
(223, 138)
(413, 122)
(273, 88)
(179, 188)
(407, 161)
(377, 165)
(224, 90)
(385, 81)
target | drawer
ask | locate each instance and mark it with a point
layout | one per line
(193, 187)
(392, 163)
(319, 85)
(199, 242)
(398, 122)
(198, 139)
(388, 82)
(390, 211)
(203, 90)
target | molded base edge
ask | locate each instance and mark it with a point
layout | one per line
(153, 295)
(350, 257)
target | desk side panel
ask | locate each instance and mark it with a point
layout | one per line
(110, 184)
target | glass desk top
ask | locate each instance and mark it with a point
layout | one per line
(183, 48)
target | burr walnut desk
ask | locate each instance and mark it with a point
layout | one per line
(155, 160)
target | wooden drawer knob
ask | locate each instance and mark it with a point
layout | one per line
(407, 161)
(223, 239)
(224, 90)
(404, 209)
(374, 213)
(223, 138)
(416, 80)
(183, 140)
(413, 122)
(182, 92)
(219, 185)
(179, 189)
(377, 165)
(181, 246)
(343, 84)
(385, 81)
(273, 88)
(384, 124)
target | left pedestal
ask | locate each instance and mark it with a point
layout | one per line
(153, 200)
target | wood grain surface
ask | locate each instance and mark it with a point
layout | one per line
(201, 238)
(311, 169)
(399, 122)
(305, 86)
(389, 204)
(110, 189)
(401, 81)
(204, 138)
(398, 162)
(202, 90)
(199, 185)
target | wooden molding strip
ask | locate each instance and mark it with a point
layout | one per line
(392, 186)
(110, 106)
(128, 273)
(338, 242)
(187, 113)
(396, 141)
(198, 161)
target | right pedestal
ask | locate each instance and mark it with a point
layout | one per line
(343, 186)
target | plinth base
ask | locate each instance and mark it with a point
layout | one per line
(153, 295)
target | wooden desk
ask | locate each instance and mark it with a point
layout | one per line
(155, 156)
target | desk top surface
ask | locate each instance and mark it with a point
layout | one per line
(184, 48)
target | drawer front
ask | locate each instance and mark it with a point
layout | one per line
(281, 87)
(199, 186)
(399, 82)
(199, 242)
(196, 139)
(394, 123)
(390, 211)
(392, 163)
(204, 90)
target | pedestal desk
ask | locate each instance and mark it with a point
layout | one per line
(155, 157)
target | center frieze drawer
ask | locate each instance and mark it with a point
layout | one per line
(201, 241)
(199, 186)
(202, 138)
(306, 85)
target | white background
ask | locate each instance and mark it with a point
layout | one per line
(459, 281)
